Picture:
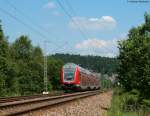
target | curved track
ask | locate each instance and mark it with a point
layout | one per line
(30, 103)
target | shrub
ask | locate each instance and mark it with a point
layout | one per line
(146, 102)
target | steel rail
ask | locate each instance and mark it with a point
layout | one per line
(18, 98)
(24, 106)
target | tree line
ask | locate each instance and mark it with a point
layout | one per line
(103, 65)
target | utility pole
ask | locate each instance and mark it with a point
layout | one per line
(45, 69)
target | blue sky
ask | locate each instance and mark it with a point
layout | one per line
(94, 27)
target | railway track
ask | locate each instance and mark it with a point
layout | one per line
(11, 99)
(26, 104)
(18, 98)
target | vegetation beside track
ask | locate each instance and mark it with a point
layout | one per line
(133, 96)
(127, 104)
(134, 61)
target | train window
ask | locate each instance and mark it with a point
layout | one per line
(69, 74)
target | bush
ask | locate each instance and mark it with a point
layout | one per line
(146, 102)
(127, 104)
(50, 86)
(130, 101)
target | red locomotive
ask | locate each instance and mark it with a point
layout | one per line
(77, 78)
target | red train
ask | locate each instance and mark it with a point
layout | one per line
(75, 77)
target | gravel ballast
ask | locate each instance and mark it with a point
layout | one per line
(91, 106)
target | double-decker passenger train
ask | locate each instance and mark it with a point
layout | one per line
(75, 77)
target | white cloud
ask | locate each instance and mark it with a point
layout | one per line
(98, 47)
(105, 23)
(95, 43)
(50, 5)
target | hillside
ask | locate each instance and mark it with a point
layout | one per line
(95, 63)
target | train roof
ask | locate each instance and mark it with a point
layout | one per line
(73, 65)
(68, 65)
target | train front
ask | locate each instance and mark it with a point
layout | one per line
(70, 76)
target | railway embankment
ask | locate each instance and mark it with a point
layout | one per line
(96, 105)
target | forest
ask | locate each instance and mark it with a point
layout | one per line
(22, 66)
(104, 65)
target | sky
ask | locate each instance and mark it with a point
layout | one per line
(86, 27)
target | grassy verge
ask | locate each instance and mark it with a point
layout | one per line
(119, 106)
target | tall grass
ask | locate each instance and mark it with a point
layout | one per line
(125, 104)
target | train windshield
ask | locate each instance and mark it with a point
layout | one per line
(69, 72)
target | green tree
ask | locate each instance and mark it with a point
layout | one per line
(134, 59)
(22, 48)
(36, 65)
(54, 70)
(29, 66)
(3, 61)
(37, 55)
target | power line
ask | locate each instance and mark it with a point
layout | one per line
(70, 16)
(41, 27)
(27, 26)
(71, 9)
(34, 30)
(28, 18)
(23, 23)
(33, 22)
(76, 23)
